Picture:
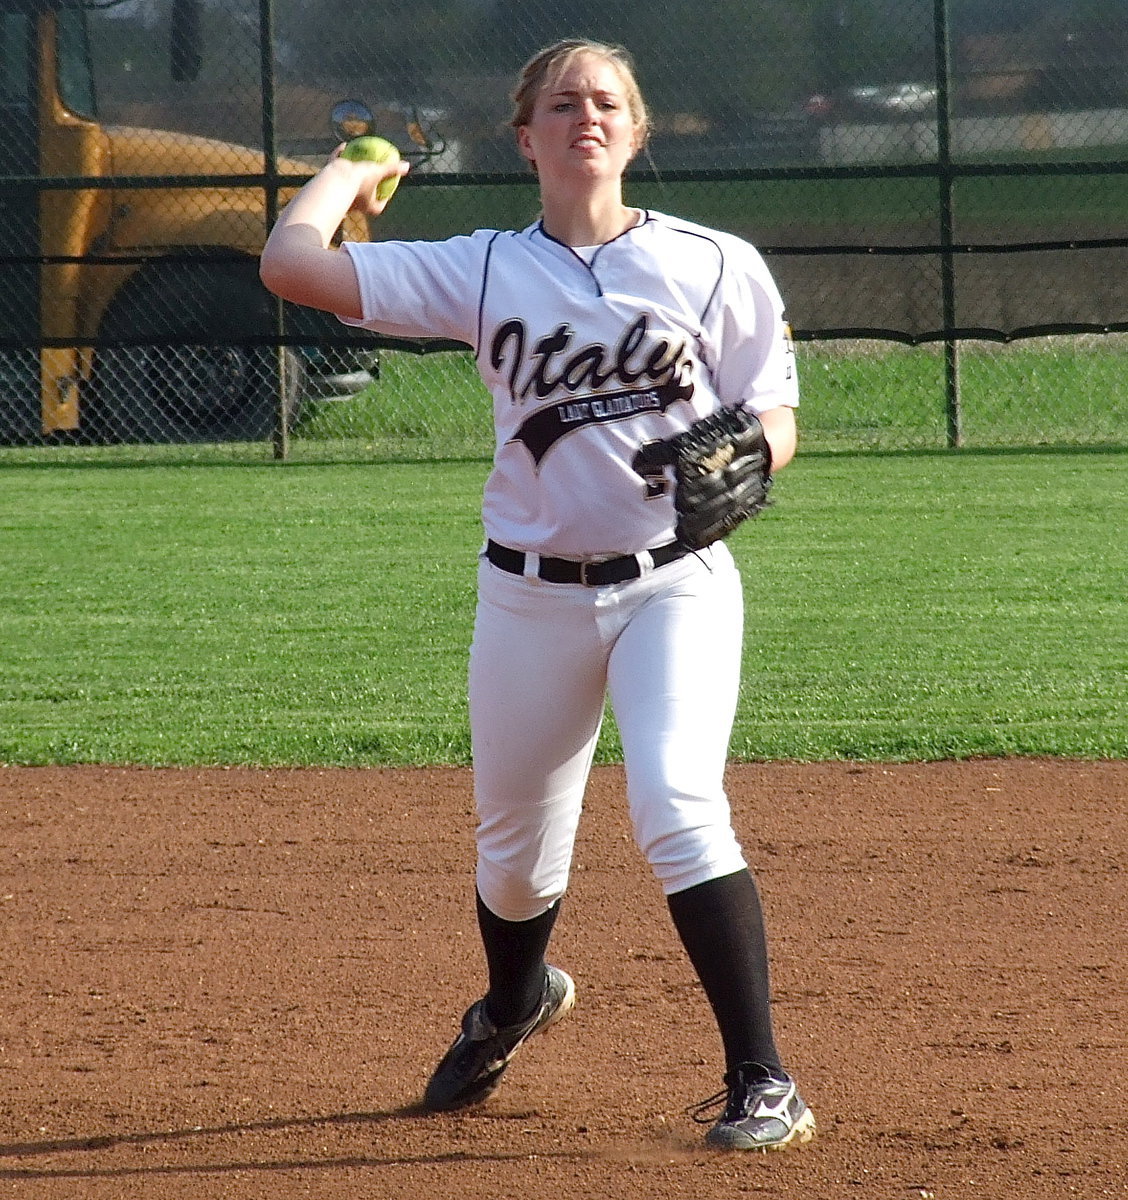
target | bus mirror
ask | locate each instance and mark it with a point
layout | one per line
(351, 119)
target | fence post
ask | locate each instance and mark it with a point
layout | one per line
(943, 49)
(281, 437)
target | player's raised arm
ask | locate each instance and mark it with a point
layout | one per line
(298, 261)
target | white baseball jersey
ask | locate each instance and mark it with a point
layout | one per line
(589, 354)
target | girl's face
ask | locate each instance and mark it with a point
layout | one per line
(581, 126)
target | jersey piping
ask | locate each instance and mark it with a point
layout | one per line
(482, 293)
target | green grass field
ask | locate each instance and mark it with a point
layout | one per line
(900, 606)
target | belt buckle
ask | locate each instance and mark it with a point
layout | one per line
(593, 563)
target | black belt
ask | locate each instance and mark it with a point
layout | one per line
(594, 574)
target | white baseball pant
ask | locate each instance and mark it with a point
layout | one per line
(665, 648)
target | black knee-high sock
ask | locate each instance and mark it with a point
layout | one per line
(515, 962)
(721, 925)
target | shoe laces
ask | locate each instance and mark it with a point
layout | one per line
(482, 1027)
(731, 1098)
(486, 1028)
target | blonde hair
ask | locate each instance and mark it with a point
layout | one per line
(547, 65)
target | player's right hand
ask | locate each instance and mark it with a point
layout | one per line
(367, 177)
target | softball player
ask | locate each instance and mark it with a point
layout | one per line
(597, 329)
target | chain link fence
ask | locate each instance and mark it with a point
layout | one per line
(939, 187)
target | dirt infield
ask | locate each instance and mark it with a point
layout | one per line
(233, 983)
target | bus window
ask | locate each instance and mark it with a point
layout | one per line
(76, 82)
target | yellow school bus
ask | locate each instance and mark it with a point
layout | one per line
(174, 263)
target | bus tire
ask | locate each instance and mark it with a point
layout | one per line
(194, 382)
